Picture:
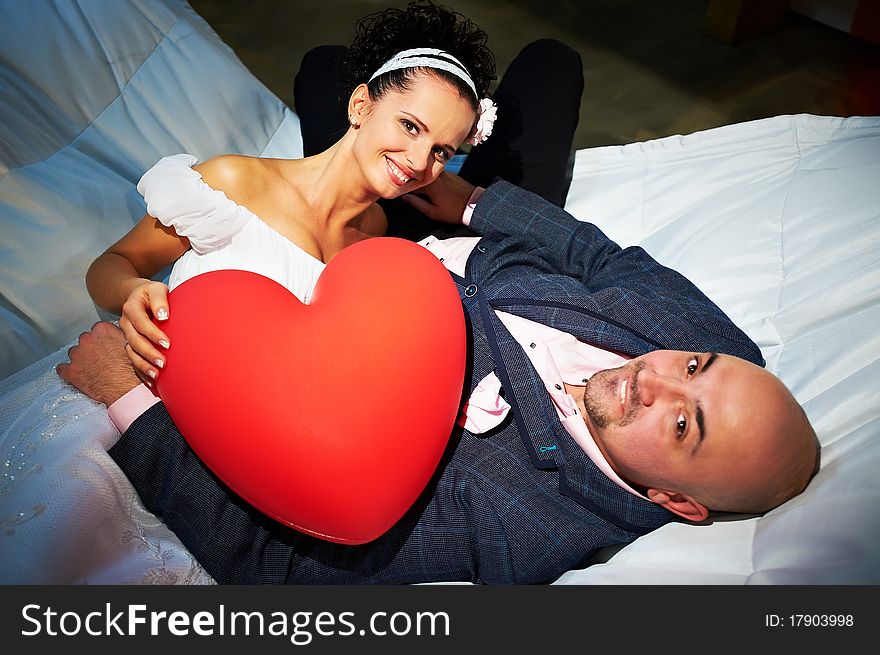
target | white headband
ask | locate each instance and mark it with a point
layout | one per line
(442, 60)
(428, 58)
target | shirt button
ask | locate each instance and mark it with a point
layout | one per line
(533, 345)
(558, 388)
(471, 291)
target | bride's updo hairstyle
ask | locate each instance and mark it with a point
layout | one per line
(422, 24)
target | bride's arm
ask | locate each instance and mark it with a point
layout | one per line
(119, 280)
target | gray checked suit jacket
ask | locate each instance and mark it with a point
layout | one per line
(521, 504)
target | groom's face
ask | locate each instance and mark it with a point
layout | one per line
(694, 422)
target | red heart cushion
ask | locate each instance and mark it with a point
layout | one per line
(329, 417)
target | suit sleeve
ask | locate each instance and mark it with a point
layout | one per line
(554, 241)
(564, 244)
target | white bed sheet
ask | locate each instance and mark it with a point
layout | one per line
(777, 220)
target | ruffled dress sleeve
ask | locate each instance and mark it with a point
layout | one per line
(178, 197)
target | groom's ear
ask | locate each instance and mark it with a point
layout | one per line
(679, 503)
(359, 103)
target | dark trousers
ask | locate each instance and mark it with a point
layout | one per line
(538, 101)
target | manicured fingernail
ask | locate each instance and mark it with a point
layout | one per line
(164, 343)
(162, 314)
(152, 374)
(160, 363)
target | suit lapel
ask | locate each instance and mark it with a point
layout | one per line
(543, 435)
(532, 409)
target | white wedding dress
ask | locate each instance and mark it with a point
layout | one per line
(67, 513)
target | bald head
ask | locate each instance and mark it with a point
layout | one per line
(779, 457)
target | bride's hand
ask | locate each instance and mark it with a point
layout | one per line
(145, 343)
(444, 199)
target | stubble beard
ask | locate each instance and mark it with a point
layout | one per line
(606, 384)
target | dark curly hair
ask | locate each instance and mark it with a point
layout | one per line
(422, 24)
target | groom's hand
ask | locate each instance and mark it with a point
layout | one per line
(444, 199)
(99, 366)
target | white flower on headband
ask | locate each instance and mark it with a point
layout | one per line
(485, 121)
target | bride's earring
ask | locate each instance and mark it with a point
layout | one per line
(353, 122)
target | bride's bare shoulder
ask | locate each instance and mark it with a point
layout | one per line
(238, 175)
(224, 170)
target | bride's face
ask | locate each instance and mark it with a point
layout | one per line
(404, 139)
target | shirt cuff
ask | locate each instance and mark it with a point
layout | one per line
(130, 406)
(471, 203)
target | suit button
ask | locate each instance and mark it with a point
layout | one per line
(481, 248)
(470, 291)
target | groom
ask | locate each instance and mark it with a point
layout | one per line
(608, 396)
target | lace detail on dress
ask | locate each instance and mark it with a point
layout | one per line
(19, 448)
(67, 512)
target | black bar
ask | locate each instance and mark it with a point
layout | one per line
(466, 618)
